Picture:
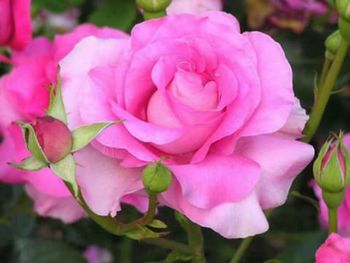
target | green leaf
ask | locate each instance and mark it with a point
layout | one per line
(65, 169)
(56, 108)
(82, 136)
(115, 13)
(30, 164)
(46, 251)
(157, 224)
(56, 6)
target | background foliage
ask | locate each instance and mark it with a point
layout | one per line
(294, 234)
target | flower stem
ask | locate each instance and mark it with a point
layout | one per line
(241, 250)
(324, 92)
(332, 220)
(196, 242)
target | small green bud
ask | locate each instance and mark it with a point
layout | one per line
(332, 166)
(333, 200)
(344, 28)
(156, 178)
(333, 42)
(343, 7)
(153, 6)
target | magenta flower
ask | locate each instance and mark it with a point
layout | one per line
(336, 249)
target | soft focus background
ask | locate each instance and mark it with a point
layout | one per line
(295, 232)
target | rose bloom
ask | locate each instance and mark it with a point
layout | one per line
(216, 105)
(344, 209)
(291, 14)
(15, 24)
(24, 95)
(336, 249)
(194, 6)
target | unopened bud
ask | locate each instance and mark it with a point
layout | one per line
(153, 6)
(343, 7)
(333, 42)
(344, 28)
(54, 138)
(156, 178)
(332, 166)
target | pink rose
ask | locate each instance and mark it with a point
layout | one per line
(336, 249)
(344, 209)
(194, 6)
(24, 96)
(218, 104)
(15, 24)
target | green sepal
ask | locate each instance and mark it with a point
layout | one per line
(333, 200)
(32, 142)
(84, 135)
(157, 224)
(56, 108)
(333, 41)
(344, 28)
(142, 232)
(30, 164)
(318, 162)
(153, 5)
(156, 178)
(66, 170)
(343, 7)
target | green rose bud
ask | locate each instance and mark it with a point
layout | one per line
(344, 28)
(343, 7)
(333, 42)
(332, 166)
(156, 178)
(153, 6)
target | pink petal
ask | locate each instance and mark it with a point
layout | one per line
(103, 182)
(217, 180)
(66, 208)
(281, 160)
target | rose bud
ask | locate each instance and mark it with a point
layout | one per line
(54, 138)
(156, 178)
(332, 170)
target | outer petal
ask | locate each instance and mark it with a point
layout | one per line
(217, 180)
(65, 208)
(103, 182)
(277, 97)
(281, 160)
(336, 249)
(232, 220)
(22, 28)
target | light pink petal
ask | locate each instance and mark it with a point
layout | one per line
(64, 208)
(277, 93)
(103, 182)
(231, 220)
(194, 6)
(281, 160)
(217, 180)
(296, 121)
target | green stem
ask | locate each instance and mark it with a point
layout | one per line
(325, 91)
(196, 242)
(332, 220)
(241, 250)
(168, 244)
(326, 66)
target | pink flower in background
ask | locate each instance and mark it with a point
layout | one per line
(15, 24)
(24, 95)
(96, 254)
(194, 6)
(336, 249)
(344, 209)
(292, 14)
(195, 90)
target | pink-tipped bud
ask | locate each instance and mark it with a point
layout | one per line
(54, 138)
